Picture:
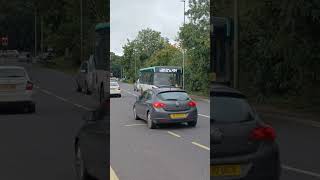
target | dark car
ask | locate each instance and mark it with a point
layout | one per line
(91, 145)
(243, 146)
(165, 106)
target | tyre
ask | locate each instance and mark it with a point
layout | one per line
(32, 108)
(78, 87)
(86, 89)
(80, 168)
(136, 117)
(192, 123)
(151, 124)
(101, 94)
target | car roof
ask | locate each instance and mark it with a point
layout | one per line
(11, 67)
(219, 88)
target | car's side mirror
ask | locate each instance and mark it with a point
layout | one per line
(90, 116)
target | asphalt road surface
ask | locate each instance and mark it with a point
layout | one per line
(138, 153)
(174, 152)
(40, 146)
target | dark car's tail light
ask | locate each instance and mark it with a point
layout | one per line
(29, 86)
(265, 133)
(192, 104)
(158, 105)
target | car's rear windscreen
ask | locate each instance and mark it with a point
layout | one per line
(226, 109)
(114, 84)
(12, 73)
(173, 96)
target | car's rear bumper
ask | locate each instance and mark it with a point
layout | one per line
(113, 92)
(262, 165)
(164, 117)
(15, 97)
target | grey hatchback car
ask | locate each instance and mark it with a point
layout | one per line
(165, 106)
(242, 145)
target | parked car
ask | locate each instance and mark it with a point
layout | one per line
(24, 57)
(84, 78)
(16, 88)
(115, 89)
(243, 146)
(92, 145)
(165, 106)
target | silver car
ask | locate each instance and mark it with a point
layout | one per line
(165, 106)
(16, 88)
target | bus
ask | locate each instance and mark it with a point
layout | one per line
(158, 76)
(101, 74)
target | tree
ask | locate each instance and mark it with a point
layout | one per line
(195, 38)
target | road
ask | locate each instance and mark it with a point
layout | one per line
(138, 153)
(173, 152)
(40, 146)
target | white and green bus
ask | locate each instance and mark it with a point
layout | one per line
(159, 76)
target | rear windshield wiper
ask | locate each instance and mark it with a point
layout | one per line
(171, 99)
(15, 76)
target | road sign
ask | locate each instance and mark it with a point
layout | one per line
(4, 41)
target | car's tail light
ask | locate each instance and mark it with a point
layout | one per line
(192, 104)
(29, 85)
(265, 133)
(158, 105)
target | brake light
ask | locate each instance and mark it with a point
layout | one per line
(29, 86)
(266, 133)
(159, 105)
(192, 104)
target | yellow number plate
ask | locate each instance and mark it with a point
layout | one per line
(178, 116)
(7, 87)
(225, 170)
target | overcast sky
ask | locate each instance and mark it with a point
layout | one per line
(128, 17)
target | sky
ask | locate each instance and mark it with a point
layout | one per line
(128, 17)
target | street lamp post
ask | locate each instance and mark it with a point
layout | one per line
(236, 41)
(81, 31)
(35, 32)
(183, 55)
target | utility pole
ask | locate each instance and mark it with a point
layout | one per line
(41, 33)
(35, 32)
(236, 41)
(81, 30)
(183, 55)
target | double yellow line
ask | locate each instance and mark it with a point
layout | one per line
(113, 175)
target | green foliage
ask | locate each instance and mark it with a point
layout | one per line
(279, 42)
(149, 48)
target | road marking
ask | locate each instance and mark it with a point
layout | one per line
(83, 107)
(200, 145)
(204, 115)
(130, 92)
(300, 171)
(113, 175)
(129, 125)
(174, 134)
(65, 100)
